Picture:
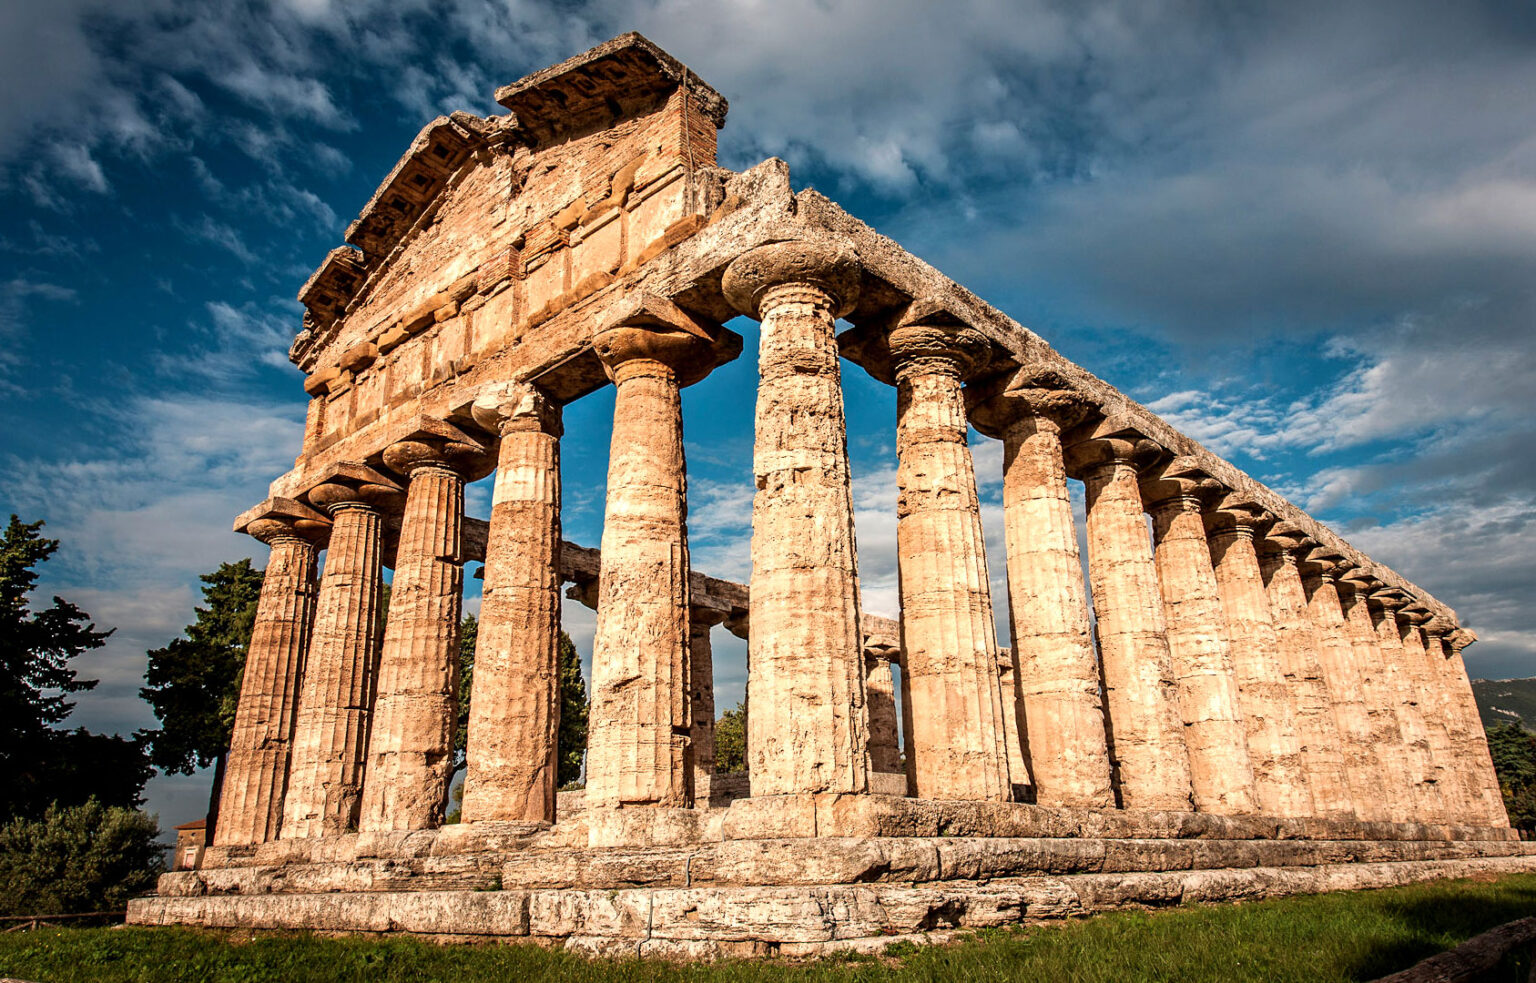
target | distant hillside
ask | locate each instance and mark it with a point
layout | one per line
(1506, 700)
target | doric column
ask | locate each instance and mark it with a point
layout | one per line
(880, 700)
(415, 709)
(701, 701)
(1214, 734)
(1449, 790)
(1317, 730)
(1398, 771)
(1146, 736)
(511, 764)
(807, 727)
(256, 769)
(1265, 701)
(949, 639)
(1472, 758)
(637, 738)
(1399, 687)
(1061, 711)
(1336, 655)
(330, 735)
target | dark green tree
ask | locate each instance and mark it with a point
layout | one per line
(194, 682)
(77, 859)
(469, 635)
(571, 741)
(731, 740)
(40, 764)
(1513, 749)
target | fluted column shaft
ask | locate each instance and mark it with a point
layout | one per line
(1400, 689)
(1146, 739)
(1336, 655)
(1449, 788)
(1062, 718)
(1473, 758)
(1220, 772)
(880, 698)
(701, 705)
(256, 770)
(958, 750)
(511, 767)
(410, 744)
(1317, 729)
(1280, 780)
(330, 735)
(807, 729)
(1397, 768)
(637, 740)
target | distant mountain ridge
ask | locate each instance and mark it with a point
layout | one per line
(1506, 701)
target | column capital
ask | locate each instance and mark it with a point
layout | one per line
(512, 407)
(1177, 485)
(949, 349)
(1032, 408)
(439, 444)
(827, 266)
(350, 485)
(1085, 456)
(283, 518)
(649, 328)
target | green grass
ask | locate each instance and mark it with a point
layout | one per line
(1353, 936)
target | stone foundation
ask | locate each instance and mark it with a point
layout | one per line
(799, 874)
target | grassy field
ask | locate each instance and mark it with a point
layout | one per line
(1357, 936)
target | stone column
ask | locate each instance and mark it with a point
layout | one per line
(807, 726)
(511, 766)
(1449, 789)
(949, 638)
(330, 734)
(1473, 758)
(1061, 711)
(415, 710)
(1146, 737)
(701, 701)
(1399, 687)
(1265, 701)
(256, 770)
(1214, 733)
(637, 739)
(880, 697)
(1399, 773)
(1336, 655)
(1317, 730)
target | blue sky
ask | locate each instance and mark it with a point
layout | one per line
(1304, 232)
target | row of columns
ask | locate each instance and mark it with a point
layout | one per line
(1224, 678)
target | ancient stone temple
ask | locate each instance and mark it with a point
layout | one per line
(1234, 703)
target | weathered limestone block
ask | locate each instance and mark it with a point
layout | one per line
(1146, 740)
(1399, 768)
(1317, 730)
(256, 770)
(1061, 713)
(1336, 655)
(637, 744)
(331, 728)
(806, 732)
(514, 714)
(410, 743)
(1461, 798)
(1281, 781)
(949, 657)
(1214, 733)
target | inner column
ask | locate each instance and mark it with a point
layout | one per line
(807, 731)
